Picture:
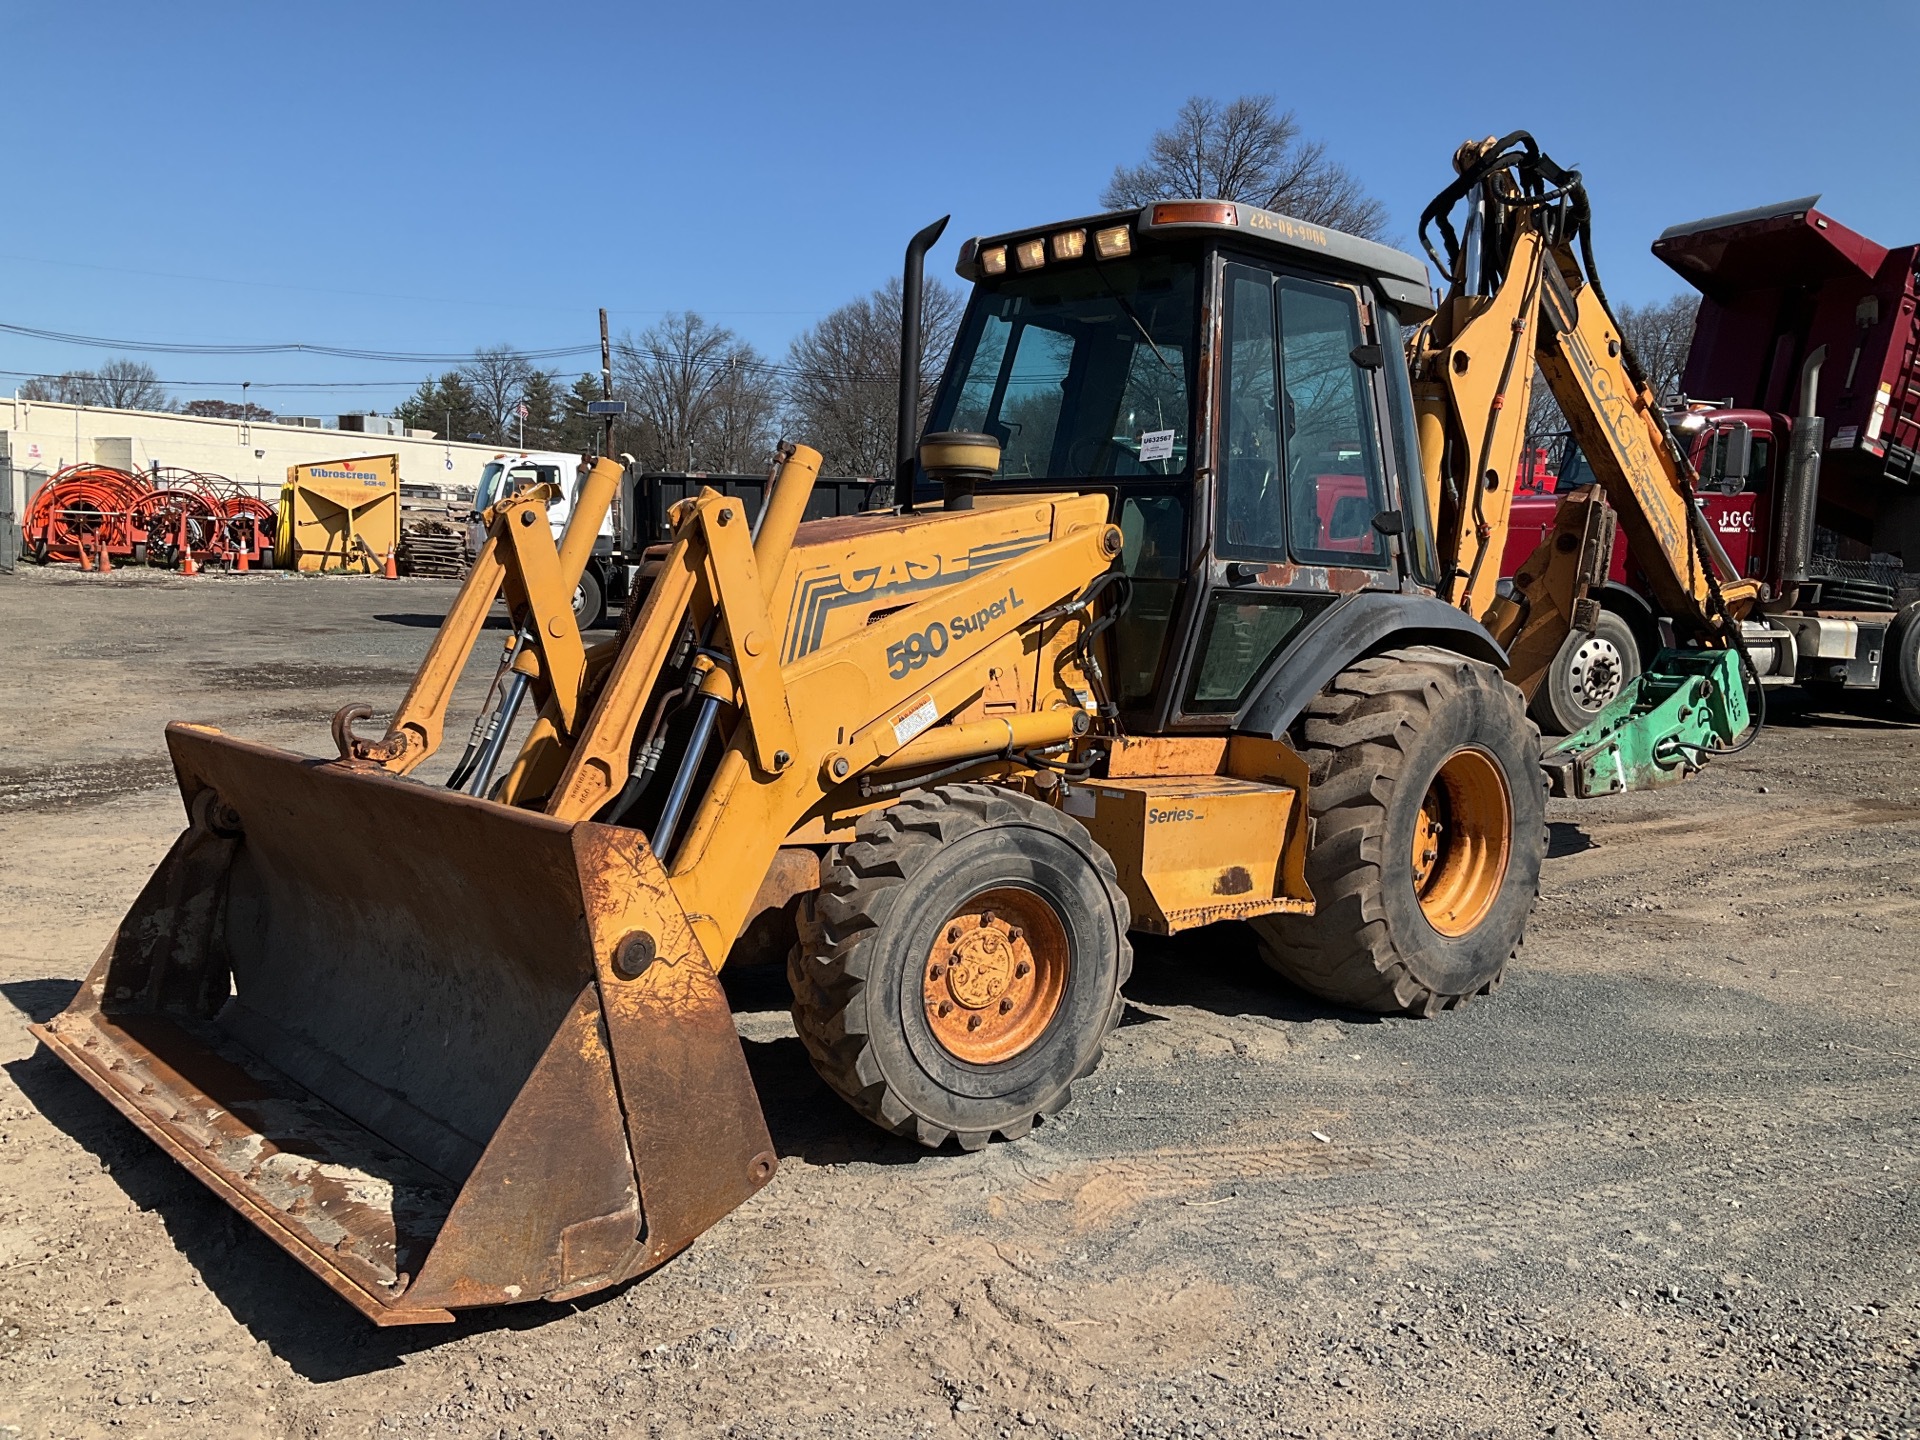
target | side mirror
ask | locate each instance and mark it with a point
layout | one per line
(1738, 438)
(1390, 522)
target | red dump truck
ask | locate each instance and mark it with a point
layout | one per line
(1806, 432)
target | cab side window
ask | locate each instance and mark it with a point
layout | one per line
(1252, 520)
(1334, 481)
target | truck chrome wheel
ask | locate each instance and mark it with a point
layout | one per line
(1461, 840)
(1596, 672)
(995, 976)
(1587, 674)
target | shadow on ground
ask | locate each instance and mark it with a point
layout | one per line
(1566, 838)
(1218, 968)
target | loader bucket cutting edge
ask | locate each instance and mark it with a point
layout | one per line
(380, 1020)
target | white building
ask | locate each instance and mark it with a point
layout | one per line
(38, 437)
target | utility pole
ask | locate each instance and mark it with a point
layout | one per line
(606, 388)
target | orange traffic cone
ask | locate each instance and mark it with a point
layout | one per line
(391, 571)
(105, 567)
(187, 565)
(240, 560)
(86, 558)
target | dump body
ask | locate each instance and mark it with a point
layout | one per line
(1775, 285)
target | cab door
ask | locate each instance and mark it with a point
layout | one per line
(1298, 478)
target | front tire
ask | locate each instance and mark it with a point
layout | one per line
(1429, 828)
(960, 966)
(1589, 673)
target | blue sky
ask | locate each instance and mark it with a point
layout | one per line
(431, 177)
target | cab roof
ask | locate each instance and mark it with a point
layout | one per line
(1402, 277)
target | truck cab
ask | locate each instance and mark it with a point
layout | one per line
(515, 470)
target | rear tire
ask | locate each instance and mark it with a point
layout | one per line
(1900, 666)
(1429, 827)
(960, 966)
(1588, 674)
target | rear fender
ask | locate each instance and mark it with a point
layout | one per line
(1359, 625)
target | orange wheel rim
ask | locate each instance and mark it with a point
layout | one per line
(1462, 838)
(995, 976)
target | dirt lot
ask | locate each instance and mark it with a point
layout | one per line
(1662, 1184)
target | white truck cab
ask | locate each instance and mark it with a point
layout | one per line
(513, 470)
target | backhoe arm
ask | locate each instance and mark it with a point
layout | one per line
(1523, 289)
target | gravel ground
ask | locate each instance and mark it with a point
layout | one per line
(1661, 1184)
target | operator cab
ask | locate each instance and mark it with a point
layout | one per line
(1235, 380)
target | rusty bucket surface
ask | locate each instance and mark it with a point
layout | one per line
(381, 1021)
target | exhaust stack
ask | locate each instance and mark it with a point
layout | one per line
(912, 288)
(1795, 545)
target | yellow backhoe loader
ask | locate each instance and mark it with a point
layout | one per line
(1188, 614)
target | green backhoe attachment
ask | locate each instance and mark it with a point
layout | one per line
(1662, 729)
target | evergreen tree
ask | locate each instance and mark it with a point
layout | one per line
(576, 430)
(542, 425)
(448, 407)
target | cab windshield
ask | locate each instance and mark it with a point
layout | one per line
(1082, 372)
(488, 490)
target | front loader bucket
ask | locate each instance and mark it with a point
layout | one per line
(381, 1020)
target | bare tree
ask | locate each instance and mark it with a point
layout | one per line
(742, 419)
(73, 387)
(1660, 334)
(497, 375)
(117, 385)
(130, 385)
(1545, 422)
(843, 394)
(698, 396)
(1247, 150)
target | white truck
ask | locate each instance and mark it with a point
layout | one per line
(606, 575)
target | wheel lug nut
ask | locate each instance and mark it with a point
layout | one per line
(946, 1008)
(936, 972)
(1015, 934)
(1005, 1006)
(973, 1022)
(953, 934)
(1022, 970)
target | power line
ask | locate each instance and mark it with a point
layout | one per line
(732, 361)
(338, 352)
(231, 384)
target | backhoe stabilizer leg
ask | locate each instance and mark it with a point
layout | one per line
(1665, 726)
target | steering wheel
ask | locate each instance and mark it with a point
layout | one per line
(1084, 454)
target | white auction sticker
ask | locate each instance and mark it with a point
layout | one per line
(909, 723)
(1156, 445)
